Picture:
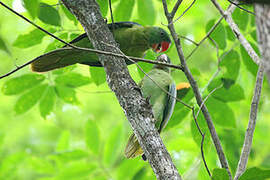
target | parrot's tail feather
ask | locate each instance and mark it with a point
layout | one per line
(53, 60)
(133, 148)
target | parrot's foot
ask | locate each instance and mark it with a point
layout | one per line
(144, 157)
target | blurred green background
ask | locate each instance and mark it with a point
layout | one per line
(67, 124)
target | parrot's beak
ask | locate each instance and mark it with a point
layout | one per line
(161, 47)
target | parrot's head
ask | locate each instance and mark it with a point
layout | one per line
(157, 38)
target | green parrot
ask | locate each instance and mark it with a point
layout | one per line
(133, 39)
(162, 103)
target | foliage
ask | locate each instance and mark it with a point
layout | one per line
(66, 124)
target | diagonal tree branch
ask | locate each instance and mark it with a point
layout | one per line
(215, 138)
(228, 17)
(136, 108)
(263, 33)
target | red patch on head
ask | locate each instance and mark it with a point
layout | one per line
(165, 46)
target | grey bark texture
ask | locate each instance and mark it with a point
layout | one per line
(262, 12)
(136, 108)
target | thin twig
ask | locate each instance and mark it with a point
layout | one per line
(193, 2)
(242, 164)
(215, 138)
(110, 6)
(175, 8)
(205, 37)
(227, 16)
(238, 5)
(202, 142)
(190, 40)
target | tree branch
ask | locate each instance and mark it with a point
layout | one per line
(227, 16)
(215, 138)
(263, 33)
(136, 108)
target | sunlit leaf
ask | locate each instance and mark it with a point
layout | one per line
(32, 38)
(241, 18)
(19, 84)
(230, 65)
(29, 99)
(68, 14)
(103, 7)
(128, 168)
(112, 145)
(72, 79)
(222, 93)
(255, 173)
(251, 66)
(32, 6)
(147, 16)
(41, 165)
(75, 170)
(98, 75)
(46, 104)
(124, 10)
(218, 35)
(71, 155)
(92, 136)
(3, 46)
(230, 34)
(49, 15)
(216, 109)
(66, 94)
(220, 174)
(63, 142)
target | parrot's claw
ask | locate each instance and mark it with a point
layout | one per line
(144, 157)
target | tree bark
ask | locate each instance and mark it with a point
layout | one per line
(136, 108)
(262, 12)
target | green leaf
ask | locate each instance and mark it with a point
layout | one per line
(27, 40)
(253, 34)
(230, 34)
(218, 35)
(124, 10)
(63, 142)
(251, 66)
(49, 15)
(72, 79)
(147, 16)
(217, 108)
(29, 99)
(56, 44)
(63, 70)
(230, 65)
(255, 173)
(69, 156)
(140, 174)
(233, 93)
(128, 168)
(41, 165)
(68, 14)
(75, 170)
(103, 5)
(19, 84)
(3, 46)
(220, 174)
(46, 104)
(112, 145)
(98, 75)
(241, 18)
(92, 136)
(66, 94)
(32, 6)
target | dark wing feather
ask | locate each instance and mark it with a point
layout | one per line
(117, 25)
(167, 113)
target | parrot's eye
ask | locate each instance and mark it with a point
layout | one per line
(162, 33)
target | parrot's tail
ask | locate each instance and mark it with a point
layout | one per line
(133, 148)
(55, 59)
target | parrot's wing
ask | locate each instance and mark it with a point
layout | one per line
(167, 113)
(117, 25)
